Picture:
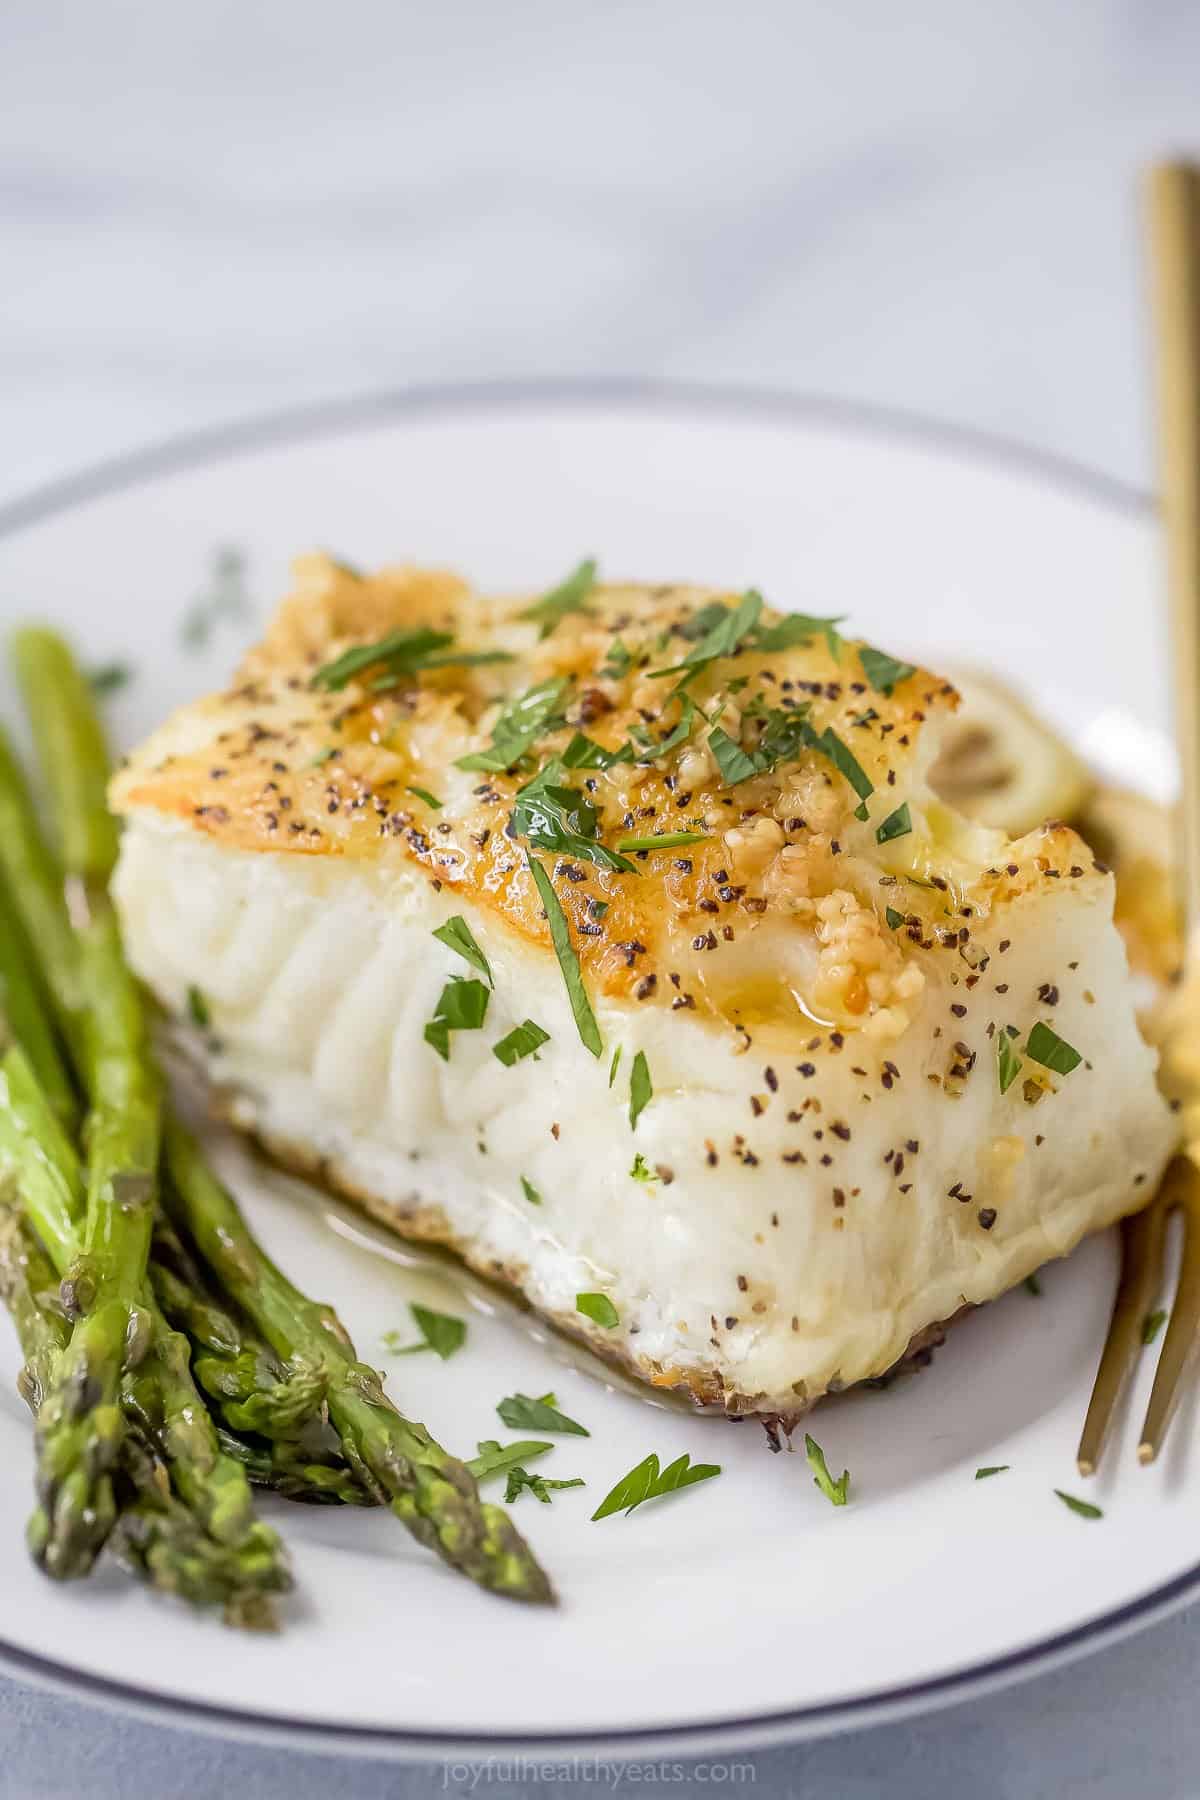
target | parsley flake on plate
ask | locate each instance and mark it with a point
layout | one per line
(836, 1492)
(648, 1482)
(1084, 1508)
(530, 1192)
(992, 1469)
(520, 1481)
(497, 1459)
(440, 1332)
(523, 1412)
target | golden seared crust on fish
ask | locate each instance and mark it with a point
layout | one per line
(891, 1056)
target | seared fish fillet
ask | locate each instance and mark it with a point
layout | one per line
(875, 1063)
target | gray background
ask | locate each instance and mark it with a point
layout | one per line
(211, 211)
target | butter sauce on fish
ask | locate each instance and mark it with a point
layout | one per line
(823, 1063)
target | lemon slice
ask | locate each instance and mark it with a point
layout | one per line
(1004, 766)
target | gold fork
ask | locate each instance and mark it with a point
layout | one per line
(1174, 222)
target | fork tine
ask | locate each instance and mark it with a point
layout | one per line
(1182, 1189)
(1143, 1238)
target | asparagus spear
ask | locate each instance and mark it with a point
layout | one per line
(248, 1386)
(29, 1289)
(160, 1394)
(155, 1535)
(431, 1492)
(79, 1427)
(35, 886)
(283, 1467)
(25, 1007)
(71, 750)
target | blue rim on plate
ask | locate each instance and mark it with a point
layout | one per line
(324, 419)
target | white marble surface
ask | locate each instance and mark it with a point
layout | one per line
(210, 212)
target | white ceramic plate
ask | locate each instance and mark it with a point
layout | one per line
(748, 1609)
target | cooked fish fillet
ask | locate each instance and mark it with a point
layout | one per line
(840, 990)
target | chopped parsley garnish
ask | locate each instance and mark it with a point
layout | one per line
(734, 763)
(462, 1007)
(400, 653)
(615, 1064)
(497, 1459)
(530, 1192)
(519, 726)
(801, 628)
(523, 1040)
(1008, 1063)
(584, 753)
(110, 677)
(992, 1469)
(326, 754)
(701, 622)
(641, 1171)
(456, 935)
(520, 1481)
(830, 744)
(1033, 1286)
(883, 671)
(440, 1332)
(524, 1413)
(197, 1007)
(641, 1089)
(463, 659)
(1084, 1508)
(650, 749)
(1054, 1053)
(568, 962)
(618, 662)
(897, 824)
(1152, 1324)
(425, 795)
(895, 919)
(599, 1309)
(836, 1492)
(648, 1482)
(568, 597)
(723, 638)
(555, 817)
(666, 840)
